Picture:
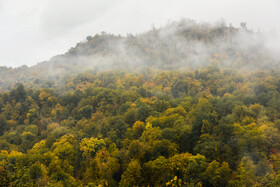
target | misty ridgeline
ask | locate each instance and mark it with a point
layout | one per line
(180, 46)
(188, 104)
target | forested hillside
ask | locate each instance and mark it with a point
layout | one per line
(184, 105)
(206, 127)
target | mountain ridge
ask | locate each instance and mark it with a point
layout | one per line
(179, 45)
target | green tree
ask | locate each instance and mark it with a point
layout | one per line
(132, 176)
(90, 146)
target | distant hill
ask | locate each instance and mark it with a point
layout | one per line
(179, 45)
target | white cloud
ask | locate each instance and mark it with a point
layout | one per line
(64, 15)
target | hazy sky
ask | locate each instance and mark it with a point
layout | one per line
(32, 31)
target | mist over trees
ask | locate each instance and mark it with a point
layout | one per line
(184, 105)
(179, 45)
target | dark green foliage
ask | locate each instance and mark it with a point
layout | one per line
(86, 111)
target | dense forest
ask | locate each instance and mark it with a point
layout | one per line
(184, 105)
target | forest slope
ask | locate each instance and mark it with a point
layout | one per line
(207, 127)
(184, 105)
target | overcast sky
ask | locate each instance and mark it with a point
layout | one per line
(32, 31)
